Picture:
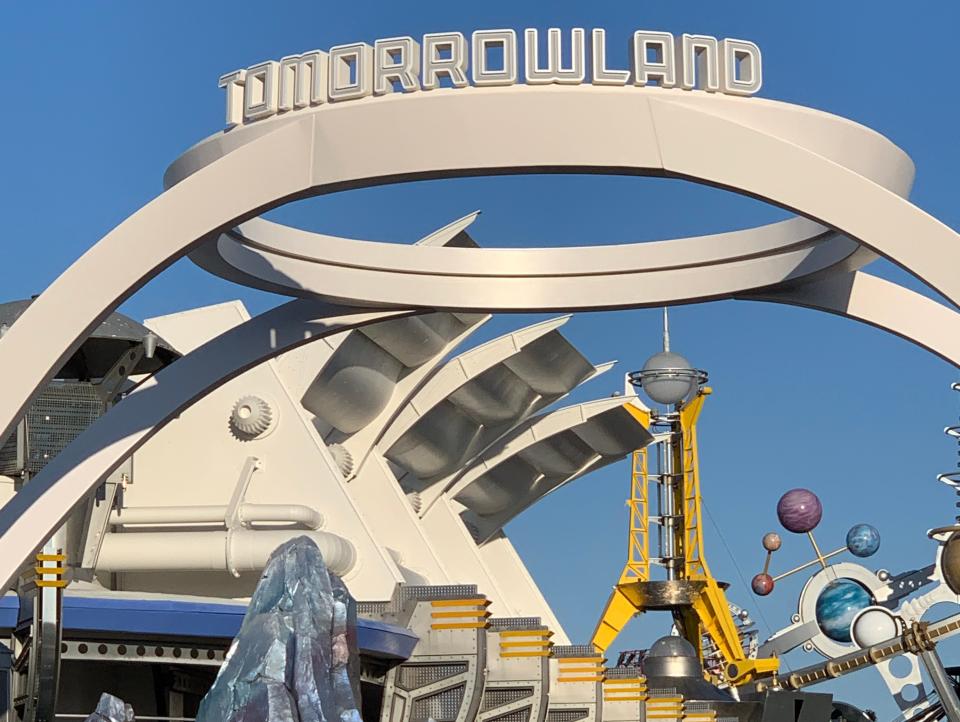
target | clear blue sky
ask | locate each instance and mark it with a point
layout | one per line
(100, 97)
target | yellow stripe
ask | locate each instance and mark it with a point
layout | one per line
(465, 613)
(51, 557)
(574, 670)
(537, 643)
(567, 660)
(51, 583)
(597, 678)
(632, 698)
(627, 680)
(526, 633)
(460, 625)
(544, 653)
(50, 570)
(460, 603)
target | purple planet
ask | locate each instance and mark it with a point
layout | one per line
(799, 510)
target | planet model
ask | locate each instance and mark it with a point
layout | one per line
(762, 584)
(863, 540)
(839, 602)
(799, 510)
(772, 541)
(950, 562)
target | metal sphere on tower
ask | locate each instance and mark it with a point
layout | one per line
(863, 540)
(762, 584)
(799, 510)
(772, 541)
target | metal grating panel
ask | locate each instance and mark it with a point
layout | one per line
(60, 413)
(440, 706)
(499, 696)
(567, 715)
(662, 692)
(498, 623)
(407, 592)
(414, 676)
(624, 673)
(576, 650)
(518, 715)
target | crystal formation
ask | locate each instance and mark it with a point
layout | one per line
(295, 658)
(111, 709)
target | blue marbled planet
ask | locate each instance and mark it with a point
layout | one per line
(838, 604)
(863, 540)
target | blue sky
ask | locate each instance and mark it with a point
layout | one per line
(100, 97)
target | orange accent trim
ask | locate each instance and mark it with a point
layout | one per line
(631, 698)
(539, 653)
(51, 557)
(460, 625)
(531, 643)
(465, 613)
(627, 680)
(50, 570)
(460, 602)
(597, 678)
(526, 633)
(51, 583)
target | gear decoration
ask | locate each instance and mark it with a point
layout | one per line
(251, 418)
(342, 458)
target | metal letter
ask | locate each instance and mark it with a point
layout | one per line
(742, 69)
(397, 61)
(260, 91)
(554, 72)
(662, 70)
(505, 39)
(454, 67)
(350, 73)
(601, 74)
(303, 80)
(698, 62)
(233, 82)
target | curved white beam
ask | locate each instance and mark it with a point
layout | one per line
(42, 505)
(880, 303)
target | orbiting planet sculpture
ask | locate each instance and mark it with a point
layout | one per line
(863, 540)
(799, 510)
(839, 602)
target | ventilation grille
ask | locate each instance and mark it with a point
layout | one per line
(498, 697)
(60, 413)
(414, 676)
(499, 623)
(440, 707)
(406, 592)
(624, 673)
(662, 692)
(575, 650)
(567, 715)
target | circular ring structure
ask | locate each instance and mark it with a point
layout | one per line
(847, 184)
(645, 132)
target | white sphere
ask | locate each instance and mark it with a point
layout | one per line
(668, 378)
(873, 625)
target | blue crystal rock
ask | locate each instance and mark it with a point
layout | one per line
(111, 709)
(295, 658)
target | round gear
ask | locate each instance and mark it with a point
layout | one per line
(342, 458)
(250, 418)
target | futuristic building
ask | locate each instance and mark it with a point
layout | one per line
(150, 470)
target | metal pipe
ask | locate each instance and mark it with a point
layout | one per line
(942, 683)
(666, 479)
(304, 516)
(818, 560)
(240, 550)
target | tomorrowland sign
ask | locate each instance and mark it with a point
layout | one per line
(489, 58)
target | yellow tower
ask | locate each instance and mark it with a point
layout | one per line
(688, 589)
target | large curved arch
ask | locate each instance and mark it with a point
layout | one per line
(848, 179)
(226, 180)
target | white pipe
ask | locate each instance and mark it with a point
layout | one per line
(303, 516)
(242, 550)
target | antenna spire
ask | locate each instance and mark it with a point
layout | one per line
(666, 330)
